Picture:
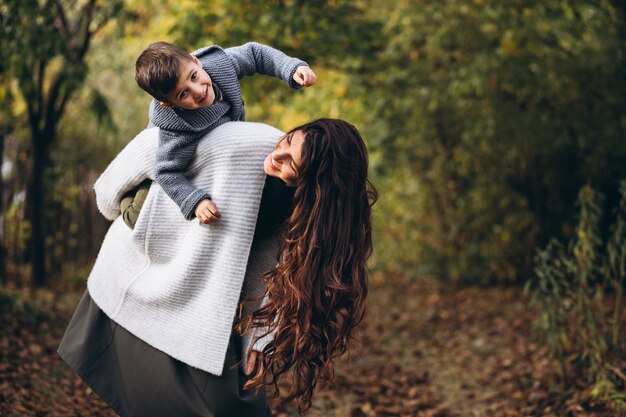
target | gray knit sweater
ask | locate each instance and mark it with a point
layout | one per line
(182, 129)
(173, 283)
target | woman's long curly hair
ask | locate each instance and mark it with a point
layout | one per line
(316, 294)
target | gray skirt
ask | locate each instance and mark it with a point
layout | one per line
(135, 379)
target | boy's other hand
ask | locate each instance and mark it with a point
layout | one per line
(304, 76)
(207, 212)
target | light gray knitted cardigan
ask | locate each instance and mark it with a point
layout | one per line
(173, 283)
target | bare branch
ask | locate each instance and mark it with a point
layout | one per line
(28, 89)
(53, 96)
(41, 73)
(61, 21)
(86, 17)
(60, 108)
(617, 372)
(100, 25)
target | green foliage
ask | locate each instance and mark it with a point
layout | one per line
(12, 305)
(17, 232)
(484, 118)
(44, 44)
(616, 263)
(316, 31)
(502, 110)
(571, 285)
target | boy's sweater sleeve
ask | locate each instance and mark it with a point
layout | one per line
(173, 156)
(255, 58)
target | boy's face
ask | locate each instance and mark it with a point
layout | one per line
(194, 89)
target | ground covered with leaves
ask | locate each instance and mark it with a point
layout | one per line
(426, 349)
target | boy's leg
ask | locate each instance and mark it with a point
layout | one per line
(131, 203)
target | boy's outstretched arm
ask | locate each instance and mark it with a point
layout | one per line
(255, 58)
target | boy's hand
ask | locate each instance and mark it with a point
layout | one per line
(304, 76)
(207, 212)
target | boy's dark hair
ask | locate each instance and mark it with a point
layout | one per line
(157, 68)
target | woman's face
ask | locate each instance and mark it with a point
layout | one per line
(284, 160)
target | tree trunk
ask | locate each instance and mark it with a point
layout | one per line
(3, 269)
(36, 215)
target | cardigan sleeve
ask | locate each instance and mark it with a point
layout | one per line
(255, 58)
(128, 169)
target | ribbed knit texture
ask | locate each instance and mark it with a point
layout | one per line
(175, 284)
(182, 129)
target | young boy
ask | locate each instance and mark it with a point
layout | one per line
(193, 94)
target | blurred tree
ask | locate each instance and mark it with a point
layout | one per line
(3, 271)
(45, 46)
(498, 112)
(5, 105)
(313, 30)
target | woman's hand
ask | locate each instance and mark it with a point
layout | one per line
(304, 76)
(207, 212)
(253, 356)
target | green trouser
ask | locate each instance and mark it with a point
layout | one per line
(138, 380)
(131, 203)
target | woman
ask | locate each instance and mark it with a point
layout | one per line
(154, 335)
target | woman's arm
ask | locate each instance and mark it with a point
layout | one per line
(128, 169)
